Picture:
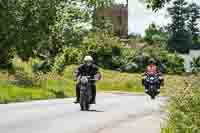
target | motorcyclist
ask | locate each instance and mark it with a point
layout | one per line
(87, 69)
(152, 69)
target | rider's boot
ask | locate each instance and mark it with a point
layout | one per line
(77, 101)
(93, 101)
(77, 94)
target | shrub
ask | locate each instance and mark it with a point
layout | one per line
(173, 63)
(167, 62)
(131, 67)
(185, 108)
(196, 65)
(104, 48)
(43, 66)
(68, 57)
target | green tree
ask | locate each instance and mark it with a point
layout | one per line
(156, 4)
(93, 5)
(104, 48)
(134, 35)
(193, 23)
(98, 3)
(7, 34)
(40, 27)
(150, 32)
(180, 39)
(155, 35)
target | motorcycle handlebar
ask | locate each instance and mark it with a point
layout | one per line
(89, 78)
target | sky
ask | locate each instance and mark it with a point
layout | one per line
(120, 1)
(139, 17)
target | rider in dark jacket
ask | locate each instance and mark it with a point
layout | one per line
(87, 69)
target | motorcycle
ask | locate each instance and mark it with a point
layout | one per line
(152, 83)
(85, 92)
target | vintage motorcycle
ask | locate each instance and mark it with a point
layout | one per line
(86, 92)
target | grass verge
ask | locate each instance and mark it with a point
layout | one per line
(55, 86)
(184, 108)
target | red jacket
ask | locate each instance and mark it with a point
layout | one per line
(152, 69)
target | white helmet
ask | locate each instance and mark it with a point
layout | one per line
(88, 58)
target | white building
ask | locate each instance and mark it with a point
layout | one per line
(188, 59)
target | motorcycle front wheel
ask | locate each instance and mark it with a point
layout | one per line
(153, 97)
(84, 103)
(152, 93)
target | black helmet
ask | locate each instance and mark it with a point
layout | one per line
(152, 61)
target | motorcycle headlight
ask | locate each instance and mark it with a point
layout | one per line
(152, 78)
(84, 80)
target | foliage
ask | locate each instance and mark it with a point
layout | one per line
(7, 24)
(180, 42)
(193, 25)
(156, 4)
(68, 57)
(98, 3)
(155, 35)
(134, 35)
(103, 25)
(103, 47)
(12, 93)
(149, 32)
(43, 66)
(93, 5)
(172, 63)
(196, 65)
(59, 86)
(166, 61)
(184, 108)
(183, 30)
(180, 38)
(41, 28)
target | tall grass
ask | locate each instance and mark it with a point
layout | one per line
(184, 108)
(52, 85)
(13, 93)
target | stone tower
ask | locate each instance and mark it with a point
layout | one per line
(118, 14)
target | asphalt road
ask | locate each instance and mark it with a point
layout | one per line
(113, 113)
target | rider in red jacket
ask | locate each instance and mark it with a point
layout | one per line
(152, 69)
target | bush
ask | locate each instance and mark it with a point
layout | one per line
(68, 57)
(104, 48)
(44, 67)
(196, 65)
(173, 63)
(58, 93)
(167, 62)
(180, 42)
(185, 108)
(131, 67)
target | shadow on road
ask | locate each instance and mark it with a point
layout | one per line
(94, 110)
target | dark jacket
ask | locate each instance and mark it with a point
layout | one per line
(84, 70)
